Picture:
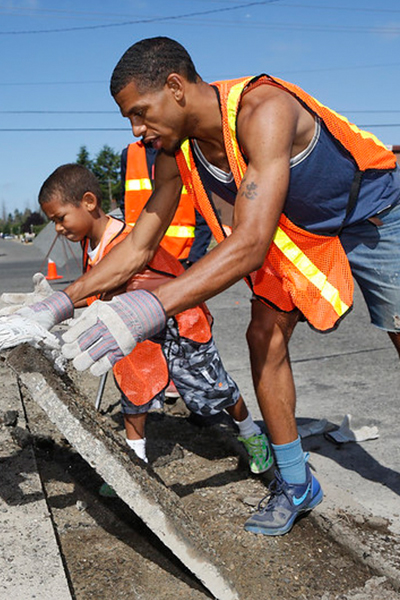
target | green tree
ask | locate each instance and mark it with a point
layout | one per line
(106, 167)
(83, 158)
(32, 221)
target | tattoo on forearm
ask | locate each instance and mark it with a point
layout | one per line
(249, 190)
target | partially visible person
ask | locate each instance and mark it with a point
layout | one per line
(184, 350)
(188, 236)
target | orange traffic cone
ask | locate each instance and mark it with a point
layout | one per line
(52, 270)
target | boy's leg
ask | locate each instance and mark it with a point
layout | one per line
(135, 436)
(251, 436)
(135, 433)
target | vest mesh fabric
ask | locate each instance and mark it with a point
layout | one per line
(302, 270)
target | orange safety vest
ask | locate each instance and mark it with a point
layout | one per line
(179, 236)
(301, 270)
(144, 372)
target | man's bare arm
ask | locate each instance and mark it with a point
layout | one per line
(137, 249)
(267, 130)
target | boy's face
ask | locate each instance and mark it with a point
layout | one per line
(73, 222)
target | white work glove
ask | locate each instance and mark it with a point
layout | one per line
(10, 302)
(31, 323)
(108, 331)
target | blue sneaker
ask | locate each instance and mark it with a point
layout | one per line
(286, 503)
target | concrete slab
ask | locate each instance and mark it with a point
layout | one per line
(135, 483)
(30, 562)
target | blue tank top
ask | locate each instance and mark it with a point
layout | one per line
(319, 186)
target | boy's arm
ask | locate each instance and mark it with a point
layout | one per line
(137, 249)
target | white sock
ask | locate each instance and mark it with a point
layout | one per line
(139, 448)
(247, 428)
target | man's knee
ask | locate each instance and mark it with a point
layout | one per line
(269, 331)
(259, 332)
(266, 321)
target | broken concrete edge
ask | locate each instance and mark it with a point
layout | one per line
(133, 481)
(330, 522)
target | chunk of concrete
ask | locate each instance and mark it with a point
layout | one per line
(134, 482)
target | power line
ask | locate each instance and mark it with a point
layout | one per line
(37, 129)
(84, 14)
(53, 83)
(284, 72)
(116, 112)
(126, 129)
(244, 24)
(61, 112)
(144, 21)
(343, 8)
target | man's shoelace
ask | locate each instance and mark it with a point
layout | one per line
(276, 488)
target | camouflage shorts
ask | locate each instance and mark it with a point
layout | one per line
(198, 374)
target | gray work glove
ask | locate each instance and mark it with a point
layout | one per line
(108, 331)
(49, 312)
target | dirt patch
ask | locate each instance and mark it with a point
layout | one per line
(109, 553)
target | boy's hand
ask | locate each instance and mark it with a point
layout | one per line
(10, 302)
(108, 331)
(15, 330)
(49, 312)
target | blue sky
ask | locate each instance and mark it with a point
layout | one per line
(56, 64)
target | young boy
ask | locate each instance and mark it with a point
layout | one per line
(184, 351)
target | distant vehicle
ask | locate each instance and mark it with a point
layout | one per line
(8, 236)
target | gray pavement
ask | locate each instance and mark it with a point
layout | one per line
(351, 371)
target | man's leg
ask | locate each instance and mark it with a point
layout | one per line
(268, 336)
(294, 490)
(395, 337)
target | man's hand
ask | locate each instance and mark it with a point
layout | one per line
(108, 331)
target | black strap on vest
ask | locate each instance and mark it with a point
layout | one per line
(353, 197)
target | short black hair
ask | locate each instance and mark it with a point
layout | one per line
(149, 62)
(69, 183)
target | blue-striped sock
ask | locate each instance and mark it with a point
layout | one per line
(291, 461)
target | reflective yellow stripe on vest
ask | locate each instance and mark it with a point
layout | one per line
(233, 100)
(310, 271)
(135, 185)
(290, 250)
(177, 231)
(180, 231)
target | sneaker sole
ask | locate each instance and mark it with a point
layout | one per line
(265, 531)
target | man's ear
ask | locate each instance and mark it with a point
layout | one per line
(176, 83)
(89, 200)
